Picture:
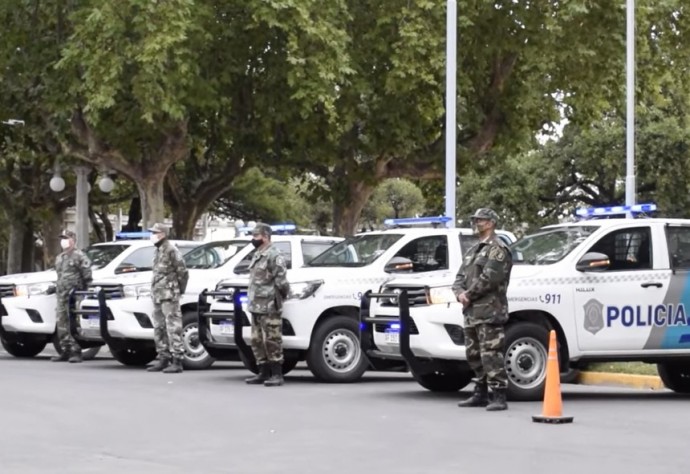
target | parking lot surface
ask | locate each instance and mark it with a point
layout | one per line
(102, 417)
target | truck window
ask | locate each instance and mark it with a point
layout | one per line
(467, 242)
(284, 247)
(312, 249)
(627, 249)
(427, 253)
(678, 239)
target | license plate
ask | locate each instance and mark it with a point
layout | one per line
(391, 337)
(92, 322)
(227, 328)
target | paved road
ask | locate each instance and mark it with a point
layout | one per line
(101, 417)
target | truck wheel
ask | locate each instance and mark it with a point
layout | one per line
(289, 363)
(526, 355)
(86, 354)
(334, 353)
(450, 381)
(675, 375)
(23, 345)
(195, 355)
(134, 356)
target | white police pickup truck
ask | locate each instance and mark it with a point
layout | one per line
(129, 328)
(320, 316)
(612, 289)
(27, 311)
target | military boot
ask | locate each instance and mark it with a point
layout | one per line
(160, 364)
(497, 400)
(480, 397)
(61, 357)
(175, 367)
(261, 377)
(276, 378)
(75, 358)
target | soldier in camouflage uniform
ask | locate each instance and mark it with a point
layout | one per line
(169, 281)
(481, 285)
(73, 269)
(267, 289)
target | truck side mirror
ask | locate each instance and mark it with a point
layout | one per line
(398, 265)
(593, 262)
(125, 267)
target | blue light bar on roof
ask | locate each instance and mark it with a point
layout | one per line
(132, 235)
(417, 220)
(612, 210)
(284, 228)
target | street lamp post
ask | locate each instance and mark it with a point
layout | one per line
(630, 112)
(57, 184)
(451, 48)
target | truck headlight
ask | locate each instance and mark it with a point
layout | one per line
(441, 295)
(35, 289)
(304, 289)
(136, 291)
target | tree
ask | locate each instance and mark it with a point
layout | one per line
(256, 196)
(393, 198)
(172, 68)
(510, 85)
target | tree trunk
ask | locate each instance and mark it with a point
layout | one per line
(185, 217)
(51, 228)
(107, 225)
(152, 199)
(133, 216)
(28, 248)
(15, 246)
(346, 212)
(93, 218)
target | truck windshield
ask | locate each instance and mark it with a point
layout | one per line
(356, 251)
(550, 245)
(102, 255)
(214, 255)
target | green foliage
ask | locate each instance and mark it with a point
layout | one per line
(393, 198)
(256, 196)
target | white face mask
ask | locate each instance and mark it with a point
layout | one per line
(154, 238)
(65, 244)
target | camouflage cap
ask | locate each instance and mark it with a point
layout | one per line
(262, 229)
(158, 227)
(68, 234)
(485, 213)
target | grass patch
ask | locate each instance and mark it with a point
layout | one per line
(638, 368)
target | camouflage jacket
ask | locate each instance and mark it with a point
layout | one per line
(484, 277)
(267, 283)
(73, 271)
(170, 274)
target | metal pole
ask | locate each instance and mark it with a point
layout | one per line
(82, 217)
(630, 113)
(451, 124)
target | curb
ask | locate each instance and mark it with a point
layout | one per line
(649, 382)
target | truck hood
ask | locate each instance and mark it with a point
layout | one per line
(447, 277)
(29, 278)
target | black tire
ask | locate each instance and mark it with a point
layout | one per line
(86, 354)
(450, 381)
(675, 375)
(325, 356)
(195, 355)
(571, 376)
(289, 363)
(134, 356)
(526, 355)
(23, 345)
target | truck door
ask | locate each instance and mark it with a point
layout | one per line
(671, 329)
(615, 308)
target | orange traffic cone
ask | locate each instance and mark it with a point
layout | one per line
(552, 411)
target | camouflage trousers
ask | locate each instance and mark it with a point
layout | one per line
(68, 344)
(484, 345)
(267, 337)
(167, 329)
